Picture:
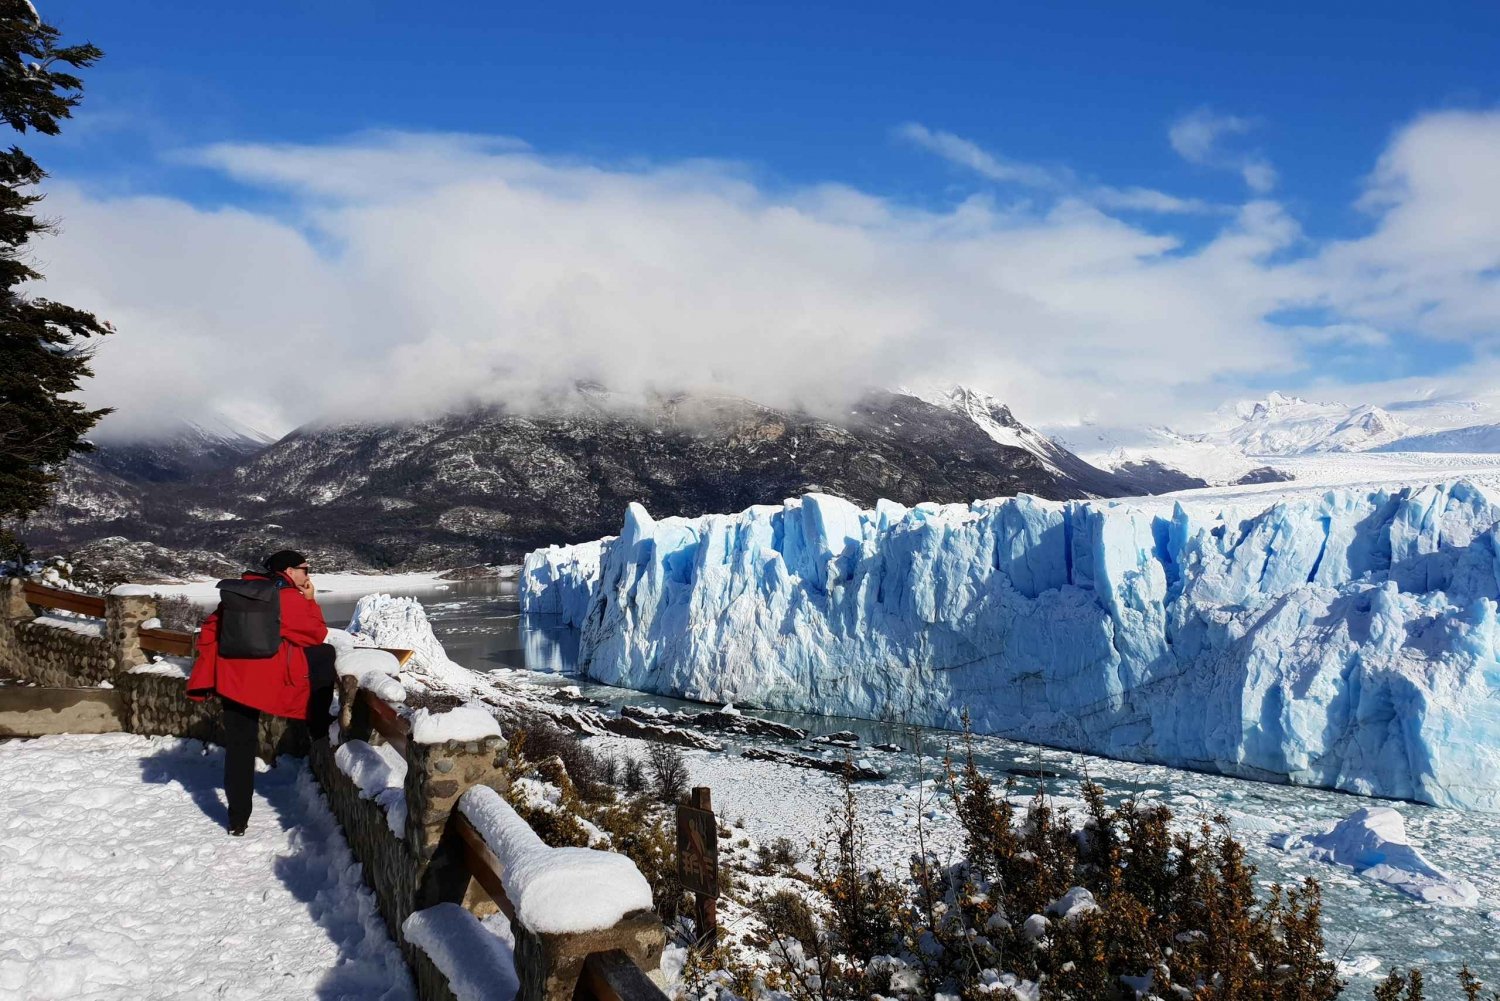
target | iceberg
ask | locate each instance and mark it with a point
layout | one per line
(1372, 841)
(1345, 639)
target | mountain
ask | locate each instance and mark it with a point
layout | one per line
(189, 449)
(487, 485)
(1479, 438)
(1288, 425)
(1159, 460)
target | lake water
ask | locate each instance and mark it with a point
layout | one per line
(1369, 926)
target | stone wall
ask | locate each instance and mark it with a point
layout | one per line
(85, 653)
(423, 866)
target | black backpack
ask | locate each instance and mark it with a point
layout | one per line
(250, 617)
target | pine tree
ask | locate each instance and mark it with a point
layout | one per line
(44, 345)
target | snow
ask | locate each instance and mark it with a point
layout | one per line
(1073, 904)
(377, 670)
(1287, 425)
(459, 723)
(380, 774)
(1345, 638)
(398, 624)
(132, 590)
(477, 957)
(120, 882)
(170, 667)
(554, 890)
(93, 628)
(1372, 841)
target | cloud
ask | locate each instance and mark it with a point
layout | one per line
(403, 274)
(968, 154)
(1199, 138)
(991, 166)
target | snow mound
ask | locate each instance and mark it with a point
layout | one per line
(1372, 841)
(380, 774)
(398, 624)
(477, 957)
(555, 889)
(459, 723)
(376, 670)
(1345, 638)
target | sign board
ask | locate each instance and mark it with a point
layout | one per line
(698, 850)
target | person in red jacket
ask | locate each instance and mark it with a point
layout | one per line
(296, 682)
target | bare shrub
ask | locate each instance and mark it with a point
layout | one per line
(633, 776)
(779, 855)
(669, 772)
(177, 612)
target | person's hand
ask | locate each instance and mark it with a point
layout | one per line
(307, 588)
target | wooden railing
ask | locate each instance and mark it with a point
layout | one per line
(172, 642)
(66, 601)
(607, 976)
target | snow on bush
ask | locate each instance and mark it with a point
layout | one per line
(555, 889)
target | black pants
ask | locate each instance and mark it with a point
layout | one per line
(242, 731)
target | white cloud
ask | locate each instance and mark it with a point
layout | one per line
(1057, 180)
(1199, 138)
(413, 273)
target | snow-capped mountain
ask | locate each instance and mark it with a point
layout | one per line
(1159, 460)
(173, 454)
(1288, 425)
(487, 485)
(1478, 438)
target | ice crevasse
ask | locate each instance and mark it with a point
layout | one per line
(1346, 639)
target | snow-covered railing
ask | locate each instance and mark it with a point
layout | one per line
(585, 939)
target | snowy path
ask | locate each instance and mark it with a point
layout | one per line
(119, 881)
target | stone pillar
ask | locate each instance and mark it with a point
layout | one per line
(13, 607)
(13, 612)
(123, 615)
(437, 775)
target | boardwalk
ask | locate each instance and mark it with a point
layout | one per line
(119, 881)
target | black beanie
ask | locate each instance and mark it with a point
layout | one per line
(284, 560)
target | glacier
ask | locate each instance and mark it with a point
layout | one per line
(1344, 639)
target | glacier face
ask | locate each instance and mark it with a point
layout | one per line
(1346, 640)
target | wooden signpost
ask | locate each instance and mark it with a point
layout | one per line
(698, 860)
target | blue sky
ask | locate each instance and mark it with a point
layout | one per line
(924, 108)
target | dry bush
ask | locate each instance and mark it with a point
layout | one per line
(669, 772)
(777, 856)
(177, 612)
(632, 776)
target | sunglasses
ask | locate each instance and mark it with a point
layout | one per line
(304, 568)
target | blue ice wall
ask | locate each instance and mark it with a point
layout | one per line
(1345, 640)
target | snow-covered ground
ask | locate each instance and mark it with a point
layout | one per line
(1317, 473)
(119, 881)
(1370, 925)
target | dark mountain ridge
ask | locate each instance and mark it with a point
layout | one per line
(489, 485)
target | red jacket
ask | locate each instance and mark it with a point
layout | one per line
(276, 684)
